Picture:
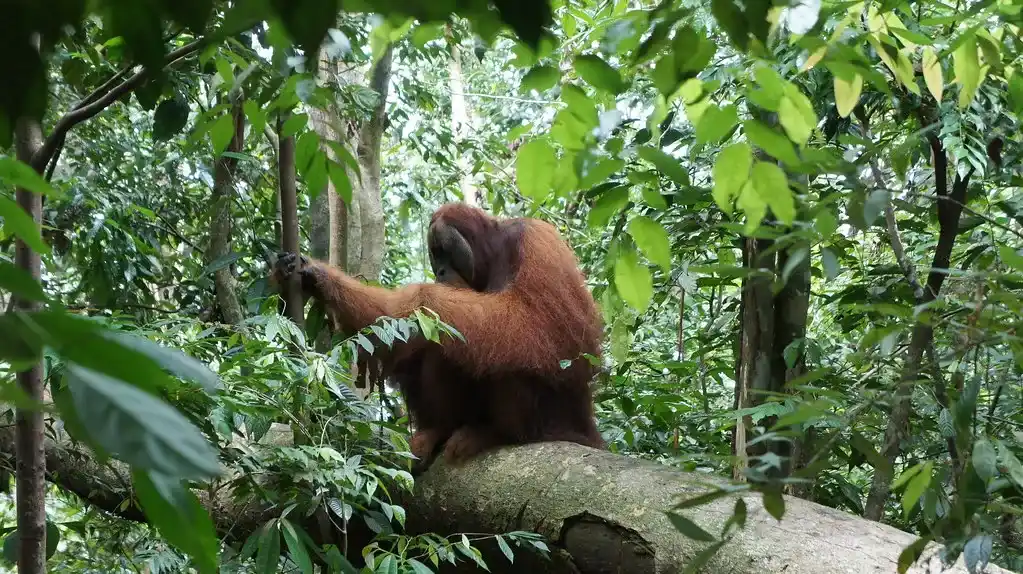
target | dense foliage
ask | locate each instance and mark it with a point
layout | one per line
(801, 224)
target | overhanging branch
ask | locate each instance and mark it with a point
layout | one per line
(100, 99)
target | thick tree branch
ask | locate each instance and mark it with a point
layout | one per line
(99, 100)
(600, 512)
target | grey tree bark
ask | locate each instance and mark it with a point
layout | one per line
(460, 114)
(30, 471)
(600, 512)
(222, 223)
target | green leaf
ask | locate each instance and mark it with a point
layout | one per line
(12, 542)
(420, 568)
(652, 240)
(633, 280)
(665, 164)
(916, 487)
(19, 282)
(599, 74)
(171, 359)
(139, 428)
(296, 548)
(169, 119)
(535, 165)
(907, 475)
(269, 551)
(847, 93)
(294, 124)
(607, 205)
(221, 133)
(772, 142)
(716, 123)
(689, 528)
(256, 117)
(752, 205)
(912, 553)
(774, 503)
(731, 171)
(796, 115)
(18, 174)
(695, 565)
(772, 185)
(985, 460)
(1010, 257)
(18, 222)
(505, 549)
(540, 78)
(932, 72)
(175, 511)
(830, 262)
(966, 64)
(339, 177)
(52, 539)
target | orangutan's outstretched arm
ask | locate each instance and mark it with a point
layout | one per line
(500, 330)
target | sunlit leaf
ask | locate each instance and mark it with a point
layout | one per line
(731, 171)
(652, 240)
(966, 64)
(221, 133)
(535, 164)
(916, 487)
(633, 280)
(716, 123)
(847, 93)
(772, 185)
(985, 460)
(932, 72)
(599, 74)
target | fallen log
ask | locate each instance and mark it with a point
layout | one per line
(600, 512)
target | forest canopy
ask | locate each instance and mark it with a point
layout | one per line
(799, 223)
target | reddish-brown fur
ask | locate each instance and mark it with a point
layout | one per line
(527, 310)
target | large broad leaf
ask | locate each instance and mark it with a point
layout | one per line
(665, 164)
(139, 428)
(169, 118)
(18, 174)
(221, 133)
(652, 240)
(716, 123)
(599, 74)
(18, 222)
(633, 280)
(731, 171)
(171, 359)
(772, 186)
(772, 142)
(932, 72)
(535, 165)
(966, 64)
(179, 517)
(540, 78)
(847, 93)
(307, 21)
(19, 282)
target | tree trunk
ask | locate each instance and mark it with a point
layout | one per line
(950, 207)
(31, 461)
(289, 221)
(370, 206)
(460, 114)
(599, 511)
(330, 214)
(220, 229)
